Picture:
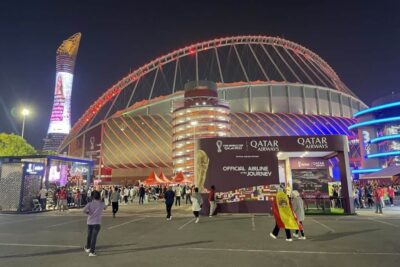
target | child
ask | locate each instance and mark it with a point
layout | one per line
(94, 210)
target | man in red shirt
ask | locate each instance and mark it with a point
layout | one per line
(212, 200)
(377, 198)
(62, 199)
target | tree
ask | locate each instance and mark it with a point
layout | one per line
(14, 145)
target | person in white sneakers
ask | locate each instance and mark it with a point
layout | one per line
(298, 209)
(197, 204)
(94, 210)
(284, 216)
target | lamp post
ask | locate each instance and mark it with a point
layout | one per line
(25, 112)
(194, 124)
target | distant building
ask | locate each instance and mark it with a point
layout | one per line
(378, 129)
(60, 120)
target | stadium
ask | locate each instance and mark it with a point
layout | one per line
(257, 86)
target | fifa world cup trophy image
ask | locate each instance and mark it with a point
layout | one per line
(202, 162)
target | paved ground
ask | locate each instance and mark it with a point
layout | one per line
(140, 236)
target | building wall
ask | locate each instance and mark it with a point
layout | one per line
(136, 145)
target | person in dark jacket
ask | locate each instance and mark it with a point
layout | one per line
(142, 193)
(169, 201)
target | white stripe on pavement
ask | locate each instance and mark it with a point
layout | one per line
(19, 221)
(325, 226)
(296, 251)
(38, 245)
(387, 223)
(253, 224)
(64, 223)
(125, 223)
(182, 226)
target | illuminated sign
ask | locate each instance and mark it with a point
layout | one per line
(35, 168)
(313, 142)
(60, 121)
(366, 141)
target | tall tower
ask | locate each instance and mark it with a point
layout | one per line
(199, 115)
(60, 120)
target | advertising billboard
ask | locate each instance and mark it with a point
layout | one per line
(245, 170)
(234, 163)
(60, 120)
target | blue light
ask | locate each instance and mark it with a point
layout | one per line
(368, 110)
(359, 171)
(386, 137)
(371, 122)
(384, 154)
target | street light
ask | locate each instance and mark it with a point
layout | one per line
(194, 124)
(25, 112)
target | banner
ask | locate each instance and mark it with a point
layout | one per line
(230, 164)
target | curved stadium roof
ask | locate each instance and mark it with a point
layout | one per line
(224, 60)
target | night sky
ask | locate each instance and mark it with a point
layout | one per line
(359, 39)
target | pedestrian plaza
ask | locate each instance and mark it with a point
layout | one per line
(141, 236)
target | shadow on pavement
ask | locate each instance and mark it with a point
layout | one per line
(102, 249)
(61, 251)
(332, 236)
(221, 219)
(123, 251)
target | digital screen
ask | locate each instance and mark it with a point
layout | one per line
(54, 174)
(60, 120)
(58, 174)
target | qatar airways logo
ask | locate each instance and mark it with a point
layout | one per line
(265, 145)
(313, 142)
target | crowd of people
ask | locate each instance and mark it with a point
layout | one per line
(376, 195)
(288, 211)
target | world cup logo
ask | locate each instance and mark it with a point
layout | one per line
(219, 146)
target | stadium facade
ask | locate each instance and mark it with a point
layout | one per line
(60, 120)
(265, 86)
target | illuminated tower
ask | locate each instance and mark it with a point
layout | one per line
(60, 120)
(199, 115)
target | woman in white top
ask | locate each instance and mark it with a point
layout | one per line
(298, 208)
(197, 203)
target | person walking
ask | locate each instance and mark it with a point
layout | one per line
(178, 193)
(94, 210)
(114, 201)
(142, 193)
(62, 196)
(126, 195)
(132, 193)
(43, 198)
(169, 201)
(188, 195)
(298, 209)
(391, 195)
(78, 198)
(284, 216)
(106, 197)
(377, 197)
(197, 204)
(212, 201)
